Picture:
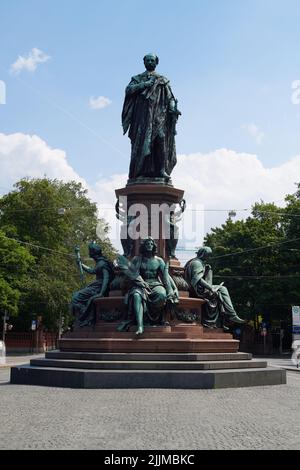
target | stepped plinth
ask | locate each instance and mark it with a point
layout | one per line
(147, 370)
(177, 353)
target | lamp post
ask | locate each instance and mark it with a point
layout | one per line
(2, 343)
(5, 317)
(59, 325)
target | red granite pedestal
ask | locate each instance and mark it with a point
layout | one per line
(176, 336)
(157, 199)
(182, 330)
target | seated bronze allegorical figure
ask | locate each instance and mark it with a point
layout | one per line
(82, 300)
(151, 286)
(218, 308)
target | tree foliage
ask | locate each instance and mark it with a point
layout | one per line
(14, 265)
(259, 260)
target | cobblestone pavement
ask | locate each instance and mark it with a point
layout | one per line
(17, 359)
(283, 362)
(33, 417)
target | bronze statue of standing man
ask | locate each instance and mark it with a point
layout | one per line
(150, 114)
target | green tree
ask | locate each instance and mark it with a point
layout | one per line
(14, 266)
(258, 262)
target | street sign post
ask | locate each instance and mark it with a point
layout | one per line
(296, 322)
(2, 352)
(264, 333)
(5, 318)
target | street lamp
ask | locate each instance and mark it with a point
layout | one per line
(5, 318)
(2, 343)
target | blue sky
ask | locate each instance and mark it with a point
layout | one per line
(231, 64)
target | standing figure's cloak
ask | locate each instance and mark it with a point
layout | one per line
(146, 115)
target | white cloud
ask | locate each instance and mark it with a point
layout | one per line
(35, 57)
(2, 92)
(254, 132)
(99, 103)
(225, 179)
(103, 192)
(24, 155)
(222, 179)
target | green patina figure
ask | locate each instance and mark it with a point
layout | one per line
(173, 230)
(219, 308)
(127, 221)
(151, 286)
(82, 300)
(150, 114)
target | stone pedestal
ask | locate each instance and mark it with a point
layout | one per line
(178, 353)
(181, 331)
(157, 199)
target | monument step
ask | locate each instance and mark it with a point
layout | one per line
(148, 345)
(147, 365)
(122, 335)
(94, 356)
(146, 335)
(130, 379)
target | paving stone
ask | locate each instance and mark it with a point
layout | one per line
(266, 417)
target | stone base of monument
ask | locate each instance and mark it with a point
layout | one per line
(181, 337)
(173, 336)
(147, 370)
(178, 354)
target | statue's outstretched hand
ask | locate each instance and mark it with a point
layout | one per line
(175, 293)
(172, 297)
(146, 285)
(97, 296)
(215, 289)
(211, 293)
(149, 83)
(174, 110)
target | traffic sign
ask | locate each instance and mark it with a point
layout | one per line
(296, 315)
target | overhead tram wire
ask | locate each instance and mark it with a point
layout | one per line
(213, 257)
(39, 247)
(74, 209)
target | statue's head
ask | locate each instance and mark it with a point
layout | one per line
(148, 246)
(151, 61)
(95, 250)
(204, 252)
